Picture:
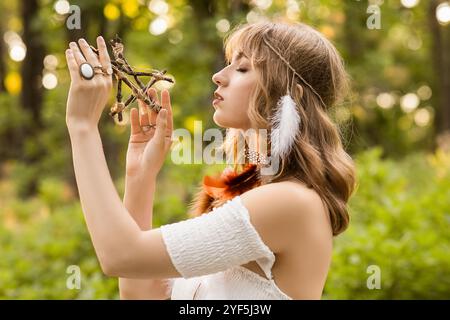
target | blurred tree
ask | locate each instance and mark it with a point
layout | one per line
(31, 72)
(31, 95)
(440, 53)
(2, 61)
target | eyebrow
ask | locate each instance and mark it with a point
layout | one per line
(240, 55)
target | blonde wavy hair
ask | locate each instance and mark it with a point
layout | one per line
(318, 158)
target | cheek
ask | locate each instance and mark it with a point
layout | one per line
(233, 112)
(241, 98)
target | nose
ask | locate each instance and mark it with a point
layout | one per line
(218, 79)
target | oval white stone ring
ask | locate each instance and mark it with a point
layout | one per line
(86, 71)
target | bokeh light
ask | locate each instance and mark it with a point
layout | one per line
(50, 62)
(292, 10)
(409, 3)
(49, 81)
(62, 7)
(158, 26)
(158, 7)
(223, 25)
(422, 117)
(254, 16)
(130, 8)
(161, 85)
(385, 100)
(443, 13)
(111, 11)
(409, 102)
(13, 82)
(17, 51)
(262, 4)
(424, 92)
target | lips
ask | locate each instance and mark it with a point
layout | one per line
(218, 96)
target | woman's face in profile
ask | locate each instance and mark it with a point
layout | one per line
(235, 83)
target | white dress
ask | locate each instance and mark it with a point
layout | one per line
(209, 251)
(236, 283)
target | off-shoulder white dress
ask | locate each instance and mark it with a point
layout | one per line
(209, 251)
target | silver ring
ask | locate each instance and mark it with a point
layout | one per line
(99, 71)
(104, 71)
(148, 127)
(109, 71)
(86, 71)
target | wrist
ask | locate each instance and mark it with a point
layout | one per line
(81, 128)
(139, 194)
(138, 200)
(140, 181)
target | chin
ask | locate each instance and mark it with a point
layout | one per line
(220, 120)
(227, 121)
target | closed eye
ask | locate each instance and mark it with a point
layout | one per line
(241, 70)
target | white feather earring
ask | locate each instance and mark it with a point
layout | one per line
(285, 125)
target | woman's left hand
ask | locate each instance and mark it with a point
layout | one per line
(87, 98)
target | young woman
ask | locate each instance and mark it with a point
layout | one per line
(252, 236)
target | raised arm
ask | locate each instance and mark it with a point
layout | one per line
(140, 185)
(113, 231)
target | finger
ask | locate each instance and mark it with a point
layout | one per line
(165, 103)
(91, 57)
(72, 65)
(79, 58)
(153, 95)
(105, 61)
(161, 125)
(134, 119)
(143, 113)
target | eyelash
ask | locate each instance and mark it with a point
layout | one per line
(238, 69)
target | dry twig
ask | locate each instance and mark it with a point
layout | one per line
(121, 70)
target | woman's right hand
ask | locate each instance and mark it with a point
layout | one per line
(148, 149)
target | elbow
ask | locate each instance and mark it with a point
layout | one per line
(112, 264)
(119, 263)
(110, 267)
(115, 258)
(120, 259)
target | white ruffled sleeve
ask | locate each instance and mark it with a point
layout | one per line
(216, 241)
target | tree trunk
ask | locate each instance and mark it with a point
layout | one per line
(31, 95)
(441, 61)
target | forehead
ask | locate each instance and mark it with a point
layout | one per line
(239, 55)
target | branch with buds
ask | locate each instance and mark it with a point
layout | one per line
(121, 70)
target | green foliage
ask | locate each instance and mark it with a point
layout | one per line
(400, 217)
(400, 222)
(40, 238)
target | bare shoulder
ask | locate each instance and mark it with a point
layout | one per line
(284, 212)
(294, 223)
